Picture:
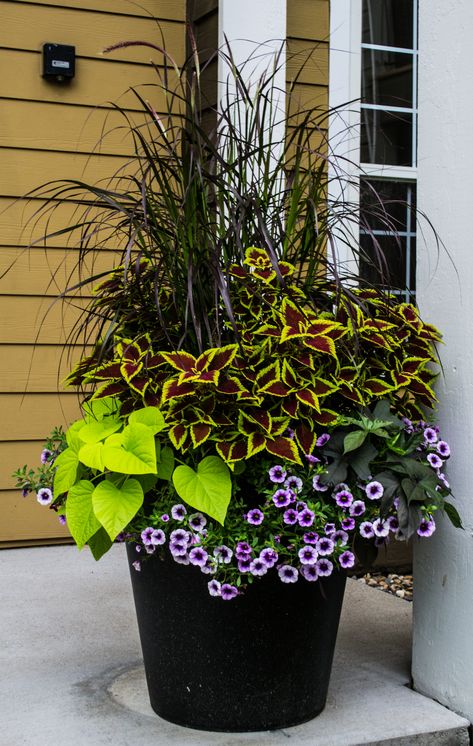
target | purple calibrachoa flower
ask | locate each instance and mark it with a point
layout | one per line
(374, 490)
(357, 508)
(242, 548)
(181, 559)
(146, 535)
(306, 518)
(277, 474)
(312, 460)
(366, 530)
(290, 516)
(435, 461)
(407, 424)
(324, 567)
(180, 536)
(198, 556)
(137, 565)
(294, 483)
(178, 512)
(430, 435)
(340, 536)
(45, 455)
(227, 591)
(210, 568)
(25, 492)
(380, 528)
(346, 559)
(197, 522)
(348, 524)
(325, 546)
(344, 499)
(214, 587)
(153, 537)
(309, 572)
(44, 496)
(165, 518)
(329, 528)
(322, 440)
(426, 527)
(308, 555)
(223, 554)
(444, 480)
(62, 520)
(258, 566)
(393, 523)
(269, 556)
(443, 448)
(282, 498)
(288, 574)
(318, 485)
(244, 562)
(310, 537)
(255, 517)
(178, 548)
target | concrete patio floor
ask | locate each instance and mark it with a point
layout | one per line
(71, 671)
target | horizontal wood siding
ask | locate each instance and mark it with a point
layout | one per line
(52, 131)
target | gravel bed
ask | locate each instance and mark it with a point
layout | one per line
(399, 585)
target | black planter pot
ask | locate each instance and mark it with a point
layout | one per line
(258, 662)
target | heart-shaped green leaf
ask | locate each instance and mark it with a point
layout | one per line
(97, 409)
(97, 430)
(133, 452)
(115, 506)
(354, 440)
(66, 468)
(166, 463)
(149, 416)
(91, 454)
(80, 515)
(99, 543)
(209, 489)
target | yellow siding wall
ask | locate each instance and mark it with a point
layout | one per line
(52, 131)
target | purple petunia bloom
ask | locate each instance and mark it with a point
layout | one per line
(322, 440)
(435, 461)
(150, 549)
(312, 460)
(258, 567)
(407, 424)
(255, 517)
(311, 537)
(269, 556)
(242, 549)
(430, 435)
(288, 574)
(146, 536)
(227, 591)
(374, 490)
(344, 499)
(324, 567)
(426, 527)
(340, 536)
(45, 455)
(443, 448)
(137, 565)
(197, 522)
(380, 528)
(214, 587)
(180, 535)
(210, 567)
(393, 523)
(244, 563)
(293, 483)
(25, 492)
(165, 518)
(62, 520)
(178, 512)
(348, 524)
(306, 518)
(290, 516)
(329, 528)
(444, 480)
(308, 555)
(223, 554)
(309, 572)
(366, 530)
(357, 508)
(198, 556)
(44, 496)
(346, 559)
(282, 498)
(181, 559)
(277, 474)
(318, 485)
(178, 549)
(325, 546)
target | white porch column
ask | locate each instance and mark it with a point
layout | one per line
(443, 567)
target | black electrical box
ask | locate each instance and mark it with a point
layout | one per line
(59, 62)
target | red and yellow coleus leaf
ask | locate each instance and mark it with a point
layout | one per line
(306, 396)
(199, 433)
(172, 389)
(377, 386)
(257, 258)
(306, 438)
(177, 435)
(284, 448)
(182, 361)
(233, 451)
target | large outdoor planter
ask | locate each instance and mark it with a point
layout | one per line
(259, 662)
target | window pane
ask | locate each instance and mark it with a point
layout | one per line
(386, 78)
(383, 260)
(388, 23)
(385, 205)
(386, 138)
